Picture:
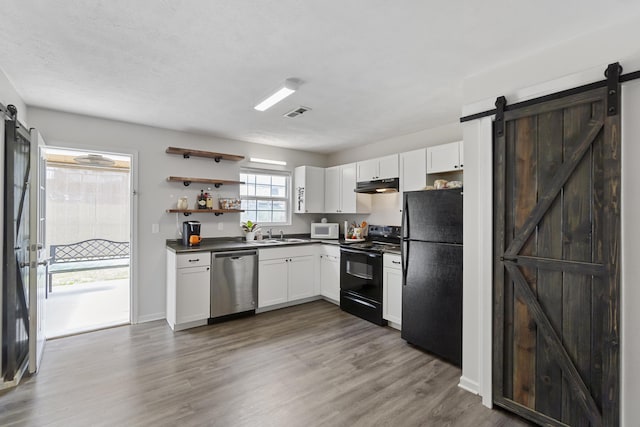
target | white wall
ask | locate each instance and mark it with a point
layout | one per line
(155, 194)
(573, 63)
(630, 292)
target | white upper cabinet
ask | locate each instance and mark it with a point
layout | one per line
(339, 197)
(445, 157)
(380, 168)
(332, 189)
(308, 193)
(413, 170)
(367, 170)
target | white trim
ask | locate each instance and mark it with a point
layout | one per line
(469, 385)
(1, 221)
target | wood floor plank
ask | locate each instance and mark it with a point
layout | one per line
(308, 365)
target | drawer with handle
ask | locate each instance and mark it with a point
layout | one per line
(194, 259)
(392, 261)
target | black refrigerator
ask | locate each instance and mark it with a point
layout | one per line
(432, 272)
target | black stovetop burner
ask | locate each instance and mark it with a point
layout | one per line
(381, 238)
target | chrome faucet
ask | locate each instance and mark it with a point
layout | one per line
(281, 235)
(269, 234)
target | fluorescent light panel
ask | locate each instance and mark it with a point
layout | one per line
(290, 86)
(267, 161)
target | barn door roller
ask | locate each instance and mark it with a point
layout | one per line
(612, 73)
(501, 102)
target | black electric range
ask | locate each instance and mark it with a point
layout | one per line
(361, 272)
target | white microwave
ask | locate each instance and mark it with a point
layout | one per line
(324, 230)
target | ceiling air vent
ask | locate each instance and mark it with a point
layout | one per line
(297, 111)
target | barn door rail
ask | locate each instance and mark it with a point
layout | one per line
(613, 75)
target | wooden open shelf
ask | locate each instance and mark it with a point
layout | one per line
(216, 212)
(187, 152)
(216, 182)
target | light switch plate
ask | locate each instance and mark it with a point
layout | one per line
(220, 226)
(155, 228)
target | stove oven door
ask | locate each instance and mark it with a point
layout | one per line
(361, 284)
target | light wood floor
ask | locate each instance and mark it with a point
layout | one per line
(310, 365)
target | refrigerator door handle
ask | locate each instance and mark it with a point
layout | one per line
(404, 254)
(405, 218)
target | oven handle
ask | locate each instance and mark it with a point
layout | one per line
(359, 301)
(355, 251)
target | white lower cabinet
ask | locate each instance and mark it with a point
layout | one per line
(188, 289)
(330, 272)
(272, 282)
(302, 274)
(392, 290)
(286, 275)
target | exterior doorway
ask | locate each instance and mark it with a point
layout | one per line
(88, 235)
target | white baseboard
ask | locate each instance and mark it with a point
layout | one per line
(468, 385)
(150, 317)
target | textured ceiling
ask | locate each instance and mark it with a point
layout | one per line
(370, 69)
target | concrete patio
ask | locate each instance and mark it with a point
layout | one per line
(82, 307)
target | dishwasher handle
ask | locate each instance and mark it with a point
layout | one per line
(234, 254)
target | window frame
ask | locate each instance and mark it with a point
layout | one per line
(287, 198)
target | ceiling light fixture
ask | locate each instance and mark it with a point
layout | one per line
(289, 86)
(267, 161)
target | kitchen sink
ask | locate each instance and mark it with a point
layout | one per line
(277, 241)
(266, 242)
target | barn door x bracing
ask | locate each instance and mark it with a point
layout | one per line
(556, 260)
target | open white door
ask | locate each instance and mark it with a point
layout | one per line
(38, 254)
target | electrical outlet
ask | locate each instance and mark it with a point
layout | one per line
(220, 226)
(155, 228)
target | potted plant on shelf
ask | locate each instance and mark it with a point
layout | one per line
(250, 229)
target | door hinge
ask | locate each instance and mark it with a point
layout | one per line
(612, 73)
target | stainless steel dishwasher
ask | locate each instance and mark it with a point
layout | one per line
(234, 282)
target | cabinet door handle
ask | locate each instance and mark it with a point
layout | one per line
(194, 260)
(455, 167)
(395, 262)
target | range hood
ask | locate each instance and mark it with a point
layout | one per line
(379, 186)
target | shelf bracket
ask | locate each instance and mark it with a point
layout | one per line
(217, 213)
(186, 183)
(217, 159)
(217, 184)
(186, 155)
(187, 213)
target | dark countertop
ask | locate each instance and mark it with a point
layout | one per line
(223, 244)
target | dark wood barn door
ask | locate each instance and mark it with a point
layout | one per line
(556, 262)
(15, 269)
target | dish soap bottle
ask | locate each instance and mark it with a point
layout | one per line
(209, 199)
